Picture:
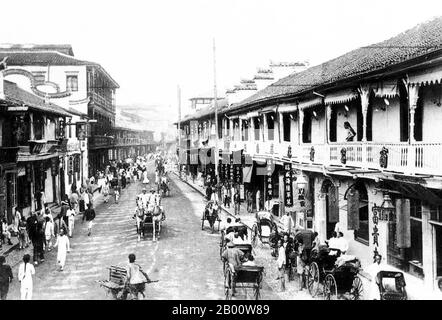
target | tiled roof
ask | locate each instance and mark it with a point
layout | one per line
(45, 58)
(63, 48)
(17, 95)
(207, 111)
(420, 40)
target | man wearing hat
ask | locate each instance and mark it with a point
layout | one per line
(144, 198)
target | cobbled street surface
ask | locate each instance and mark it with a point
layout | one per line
(185, 260)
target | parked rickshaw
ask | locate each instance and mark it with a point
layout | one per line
(263, 228)
(245, 248)
(243, 278)
(211, 215)
(337, 274)
(391, 285)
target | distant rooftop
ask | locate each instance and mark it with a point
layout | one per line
(62, 48)
(289, 64)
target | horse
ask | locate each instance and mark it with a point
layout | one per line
(155, 215)
(139, 215)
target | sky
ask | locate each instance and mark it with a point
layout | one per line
(151, 47)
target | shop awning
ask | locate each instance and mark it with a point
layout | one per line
(341, 96)
(386, 89)
(247, 173)
(288, 108)
(414, 191)
(425, 77)
(253, 114)
(310, 103)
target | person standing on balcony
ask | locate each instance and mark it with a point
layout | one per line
(350, 131)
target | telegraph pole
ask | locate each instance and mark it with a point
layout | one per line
(179, 129)
(216, 111)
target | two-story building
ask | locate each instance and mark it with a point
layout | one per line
(353, 145)
(31, 135)
(82, 88)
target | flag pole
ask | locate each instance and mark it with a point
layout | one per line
(216, 111)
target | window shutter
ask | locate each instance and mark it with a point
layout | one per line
(403, 228)
(353, 209)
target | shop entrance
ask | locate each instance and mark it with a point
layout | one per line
(331, 206)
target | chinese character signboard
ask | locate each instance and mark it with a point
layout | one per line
(288, 185)
(269, 180)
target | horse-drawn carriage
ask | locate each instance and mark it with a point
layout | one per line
(338, 274)
(149, 220)
(211, 214)
(264, 229)
(243, 278)
(391, 285)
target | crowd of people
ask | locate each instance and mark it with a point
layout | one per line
(44, 230)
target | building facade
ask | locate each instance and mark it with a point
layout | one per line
(334, 143)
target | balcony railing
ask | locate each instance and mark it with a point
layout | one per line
(8, 154)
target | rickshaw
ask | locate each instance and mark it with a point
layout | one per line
(211, 215)
(244, 277)
(391, 285)
(263, 228)
(245, 248)
(338, 274)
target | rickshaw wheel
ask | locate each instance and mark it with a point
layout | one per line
(357, 289)
(313, 279)
(330, 288)
(202, 220)
(257, 293)
(254, 235)
(227, 284)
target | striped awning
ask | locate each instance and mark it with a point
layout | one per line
(426, 77)
(288, 108)
(309, 103)
(341, 96)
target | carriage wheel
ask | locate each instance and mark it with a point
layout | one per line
(254, 235)
(357, 288)
(313, 279)
(330, 288)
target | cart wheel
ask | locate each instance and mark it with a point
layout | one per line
(330, 288)
(254, 235)
(357, 289)
(313, 279)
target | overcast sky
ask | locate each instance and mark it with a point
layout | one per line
(150, 47)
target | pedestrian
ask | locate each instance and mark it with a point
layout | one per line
(17, 218)
(71, 221)
(117, 190)
(258, 200)
(237, 202)
(90, 198)
(25, 272)
(105, 191)
(5, 232)
(287, 223)
(49, 233)
(249, 201)
(38, 241)
(63, 248)
(89, 215)
(48, 213)
(73, 200)
(22, 235)
(81, 202)
(300, 263)
(5, 278)
(281, 263)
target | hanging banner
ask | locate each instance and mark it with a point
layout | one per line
(269, 179)
(288, 185)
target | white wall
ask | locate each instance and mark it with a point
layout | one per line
(386, 124)
(432, 114)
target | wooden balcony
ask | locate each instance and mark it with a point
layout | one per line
(8, 154)
(97, 142)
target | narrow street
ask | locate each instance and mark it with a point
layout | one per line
(185, 260)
